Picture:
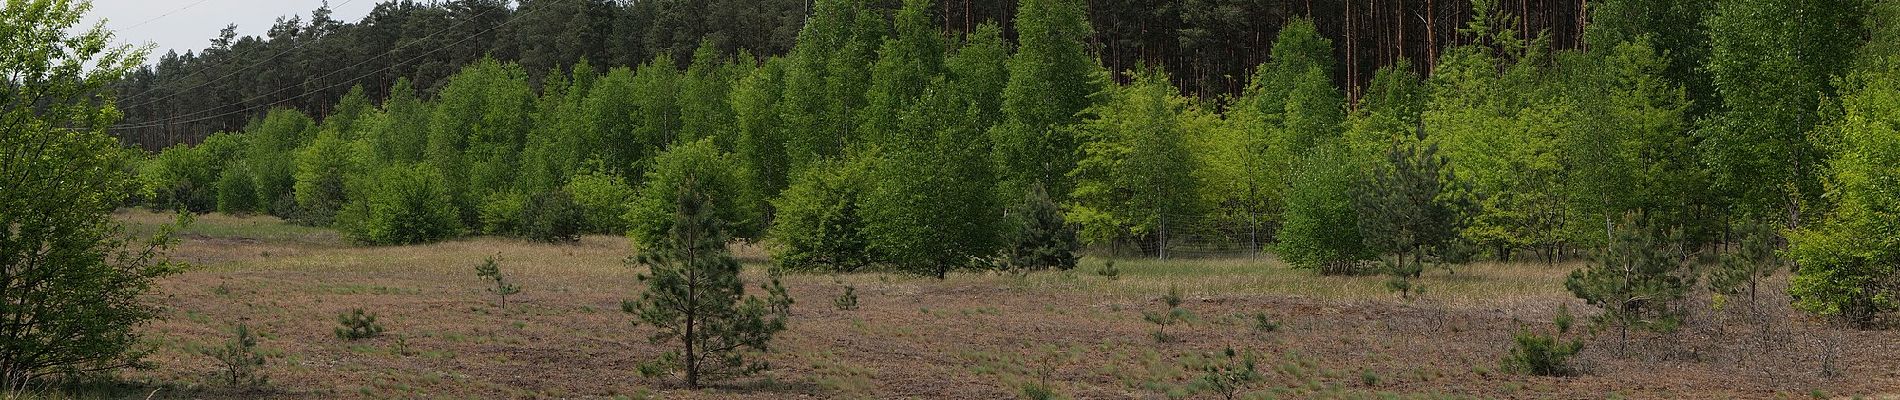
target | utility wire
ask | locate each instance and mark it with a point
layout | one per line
(200, 70)
(179, 119)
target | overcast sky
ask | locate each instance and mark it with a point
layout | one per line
(190, 24)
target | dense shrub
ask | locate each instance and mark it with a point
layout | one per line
(718, 174)
(819, 222)
(357, 325)
(237, 192)
(603, 199)
(500, 213)
(407, 204)
(552, 217)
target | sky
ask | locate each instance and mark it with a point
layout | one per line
(190, 24)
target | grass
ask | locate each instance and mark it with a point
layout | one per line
(973, 336)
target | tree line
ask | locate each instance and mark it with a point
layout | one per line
(309, 62)
(885, 141)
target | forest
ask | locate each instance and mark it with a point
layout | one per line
(1652, 165)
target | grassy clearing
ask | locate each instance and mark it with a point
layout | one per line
(1073, 334)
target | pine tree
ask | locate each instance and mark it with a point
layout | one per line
(694, 295)
(1045, 240)
(1636, 278)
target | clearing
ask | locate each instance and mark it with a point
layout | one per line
(972, 336)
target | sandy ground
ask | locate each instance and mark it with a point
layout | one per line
(972, 336)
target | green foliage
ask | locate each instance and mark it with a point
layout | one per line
(1264, 323)
(1754, 259)
(1136, 175)
(240, 359)
(907, 62)
(1288, 107)
(324, 170)
(931, 207)
(72, 284)
(1848, 261)
(552, 217)
(188, 178)
(490, 270)
(719, 174)
(1109, 270)
(477, 132)
(847, 301)
(703, 97)
(1052, 79)
(1041, 238)
(760, 140)
(820, 222)
(1408, 207)
(237, 192)
(1541, 354)
(357, 325)
(602, 198)
(501, 213)
(694, 295)
(1635, 152)
(1771, 62)
(270, 158)
(405, 205)
(1492, 115)
(1322, 227)
(1636, 279)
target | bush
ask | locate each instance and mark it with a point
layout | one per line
(717, 174)
(407, 205)
(1636, 279)
(501, 213)
(1227, 374)
(552, 217)
(1544, 355)
(357, 325)
(322, 169)
(236, 192)
(1109, 270)
(1321, 231)
(819, 225)
(603, 199)
(847, 301)
(72, 283)
(240, 359)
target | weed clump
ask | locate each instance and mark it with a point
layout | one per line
(358, 325)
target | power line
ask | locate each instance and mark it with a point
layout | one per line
(178, 119)
(207, 67)
(166, 14)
